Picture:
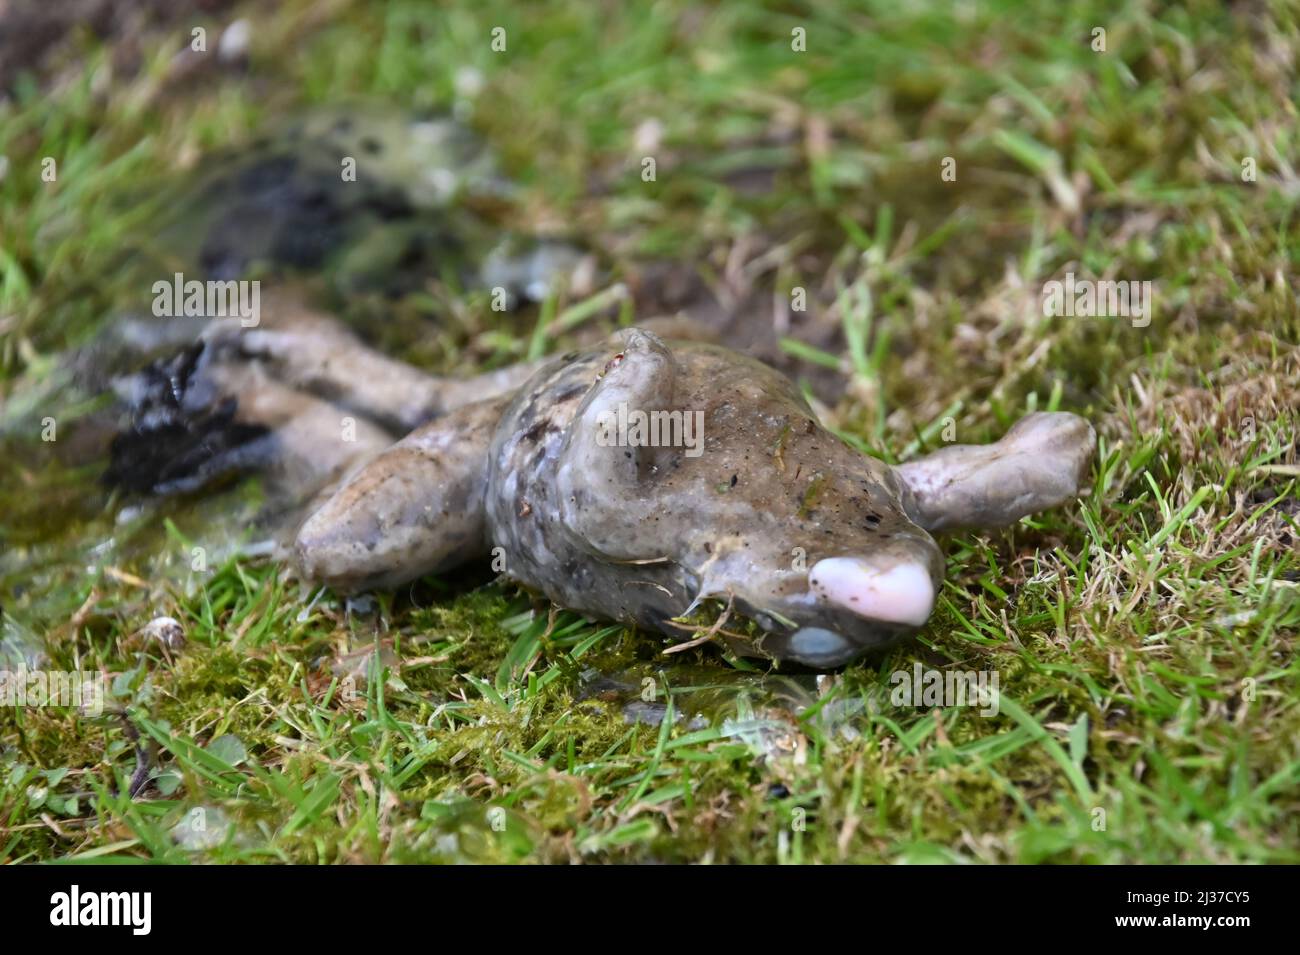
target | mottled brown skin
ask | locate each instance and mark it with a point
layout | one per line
(416, 508)
(826, 549)
(770, 495)
(641, 534)
(966, 485)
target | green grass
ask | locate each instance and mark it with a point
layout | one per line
(1144, 639)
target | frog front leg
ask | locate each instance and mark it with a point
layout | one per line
(1039, 464)
(415, 509)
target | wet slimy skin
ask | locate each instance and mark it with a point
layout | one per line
(748, 500)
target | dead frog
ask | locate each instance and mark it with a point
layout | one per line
(636, 478)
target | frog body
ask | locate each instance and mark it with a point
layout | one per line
(736, 493)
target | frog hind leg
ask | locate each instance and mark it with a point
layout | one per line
(415, 509)
(310, 351)
(1040, 463)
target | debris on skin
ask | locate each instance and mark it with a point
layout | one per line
(272, 206)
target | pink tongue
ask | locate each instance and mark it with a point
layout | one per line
(902, 594)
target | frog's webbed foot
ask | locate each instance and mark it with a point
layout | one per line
(416, 509)
(196, 421)
(1040, 463)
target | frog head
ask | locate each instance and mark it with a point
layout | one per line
(692, 455)
(698, 456)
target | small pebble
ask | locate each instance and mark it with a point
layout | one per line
(166, 631)
(233, 45)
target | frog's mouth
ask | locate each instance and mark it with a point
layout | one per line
(852, 605)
